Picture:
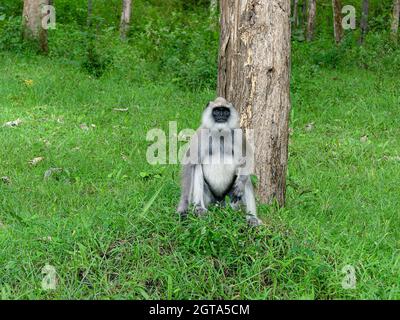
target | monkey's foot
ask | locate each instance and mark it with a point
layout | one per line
(200, 211)
(183, 215)
(254, 221)
(183, 209)
(183, 212)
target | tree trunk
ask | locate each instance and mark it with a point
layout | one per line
(254, 74)
(32, 29)
(303, 13)
(364, 20)
(396, 18)
(213, 14)
(312, 11)
(213, 7)
(89, 13)
(296, 13)
(125, 18)
(337, 20)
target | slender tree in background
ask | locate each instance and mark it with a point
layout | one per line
(364, 20)
(213, 14)
(337, 20)
(396, 18)
(89, 13)
(295, 17)
(125, 18)
(213, 6)
(312, 11)
(303, 13)
(254, 74)
(32, 29)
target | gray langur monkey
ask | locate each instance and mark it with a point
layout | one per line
(218, 163)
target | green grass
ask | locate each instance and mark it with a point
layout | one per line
(109, 234)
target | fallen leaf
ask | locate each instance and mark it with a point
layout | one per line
(46, 142)
(5, 180)
(28, 83)
(309, 127)
(35, 161)
(391, 158)
(14, 123)
(364, 139)
(84, 127)
(51, 171)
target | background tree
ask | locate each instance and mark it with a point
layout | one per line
(303, 13)
(125, 18)
(396, 18)
(32, 29)
(312, 10)
(213, 14)
(337, 20)
(213, 6)
(254, 73)
(89, 13)
(364, 20)
(295, 17)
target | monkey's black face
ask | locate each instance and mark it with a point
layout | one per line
(221, 114)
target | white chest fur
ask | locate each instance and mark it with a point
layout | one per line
(219, 173)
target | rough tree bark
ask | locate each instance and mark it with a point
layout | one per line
(364, 20)
(337, 20)
(254, 74)
(32, 29)
(125, 18)
(312, 11)
(396, 18)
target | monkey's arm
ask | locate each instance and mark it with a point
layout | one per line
(245, 167)
(191, 159)
(187, 186)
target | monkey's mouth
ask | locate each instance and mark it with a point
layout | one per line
(221, 114)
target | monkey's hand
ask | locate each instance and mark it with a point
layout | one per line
(242, 162)
(238, 190)
(183, 209)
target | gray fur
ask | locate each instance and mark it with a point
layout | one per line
(210, 172)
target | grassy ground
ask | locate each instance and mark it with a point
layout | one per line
(107, 222)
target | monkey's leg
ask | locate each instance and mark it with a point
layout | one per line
(201, 193)
(249, 201)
